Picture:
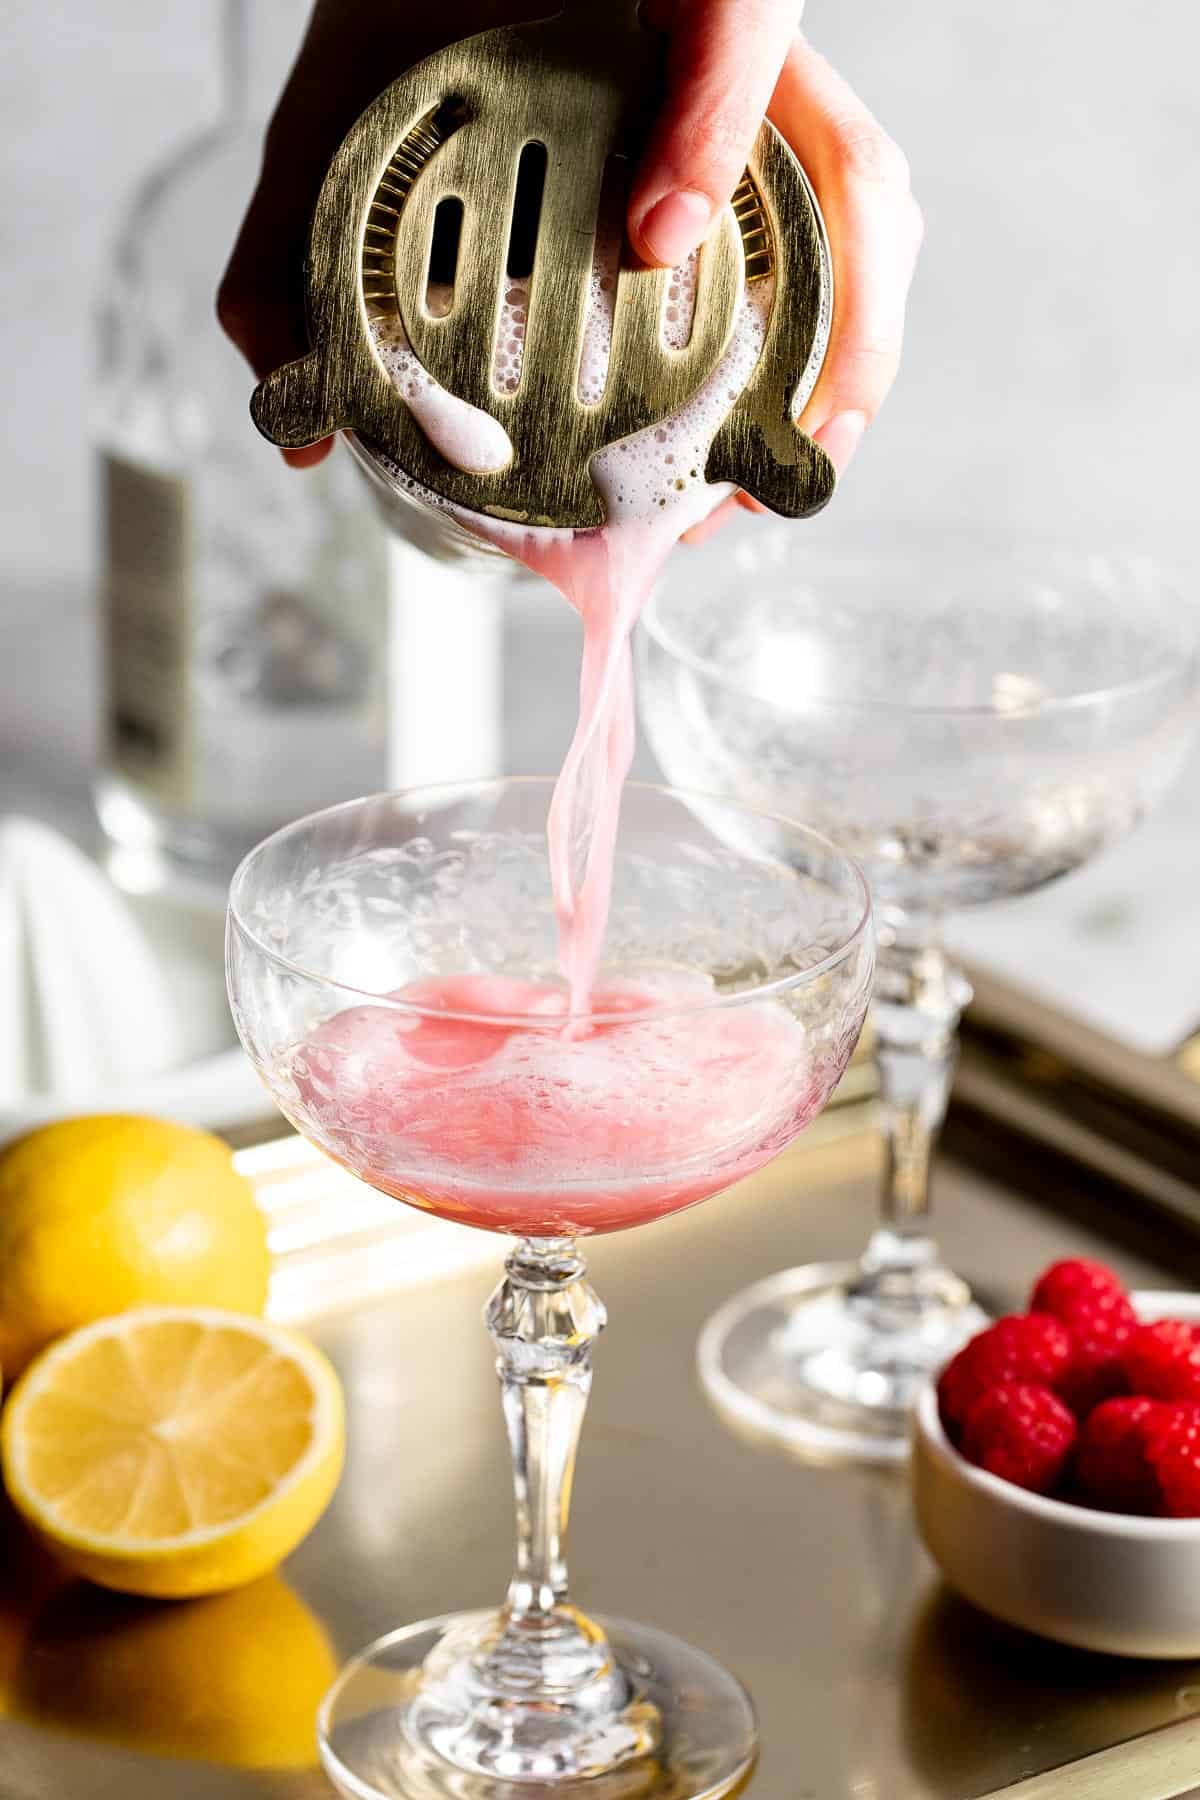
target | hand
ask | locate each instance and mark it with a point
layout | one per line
(729, 62)
(861, 180)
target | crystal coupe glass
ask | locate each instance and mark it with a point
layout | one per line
(739, 958)
(970, 721)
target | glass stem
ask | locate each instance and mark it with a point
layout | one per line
(919, 998)
(536, 1693)
(543, 1319)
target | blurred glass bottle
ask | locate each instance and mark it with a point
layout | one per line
(259, 627)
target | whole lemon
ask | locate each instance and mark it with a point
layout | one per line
(109, 1211)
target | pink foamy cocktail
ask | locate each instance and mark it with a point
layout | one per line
(474, 1097)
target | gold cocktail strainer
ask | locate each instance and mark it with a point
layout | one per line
(584, 85)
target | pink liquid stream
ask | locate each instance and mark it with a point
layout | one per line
(654, 490)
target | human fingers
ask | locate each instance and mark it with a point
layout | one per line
(861, 178)
(723, 62)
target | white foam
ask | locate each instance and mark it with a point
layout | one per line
(661, 470)
(508, 354)
(679, 305)
(602, 293)
(467, 437)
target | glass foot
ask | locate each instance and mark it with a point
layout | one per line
(418, 1714)
(814, 1359)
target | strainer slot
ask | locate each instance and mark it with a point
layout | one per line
(443, 257)
(508, 351)
(526, 212)
(378, 256)
(602, 296)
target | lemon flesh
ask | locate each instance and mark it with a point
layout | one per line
(171, 1451)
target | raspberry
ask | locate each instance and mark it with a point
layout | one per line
(1073, 1286)
(1097, 1371)
(1092, 1304)
(1112, 1459)
(1163, 1361)
(1174, 1455)
(1024, 1347)
(1021, 1432)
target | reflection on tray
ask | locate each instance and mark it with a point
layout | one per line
(969, 1682)
(335, 1242)
(233, 1680)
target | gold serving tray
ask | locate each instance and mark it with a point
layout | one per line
(1079, 1110)
(871, 1681)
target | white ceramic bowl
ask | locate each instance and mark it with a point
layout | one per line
(1102, 1581)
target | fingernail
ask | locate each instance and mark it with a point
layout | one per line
(840, 436)
(675, 225)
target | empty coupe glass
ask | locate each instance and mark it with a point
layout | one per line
(970, 721)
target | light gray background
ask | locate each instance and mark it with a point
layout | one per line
(1053, 353)
(1050, 378)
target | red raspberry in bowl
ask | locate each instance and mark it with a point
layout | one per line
(1021, 1432)
(1024, 1347)
(1092, 1304)
(1073, 1286)
(1174, 1455)
(1163, 1360)
(1097, 1369)
(1112, 1458)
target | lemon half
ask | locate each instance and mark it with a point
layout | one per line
(174, 1450)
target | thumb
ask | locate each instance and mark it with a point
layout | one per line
(724, 60)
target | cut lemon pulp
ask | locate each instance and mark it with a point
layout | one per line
(174, 1450)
